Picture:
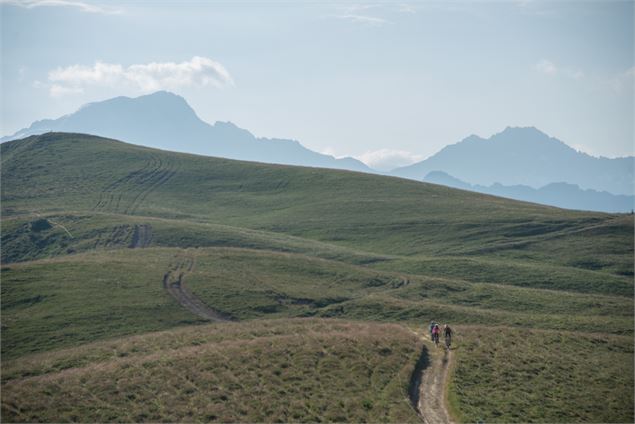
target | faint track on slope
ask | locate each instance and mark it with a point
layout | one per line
(108, 194)
(174, 283)
(129, 191)
(164, 172)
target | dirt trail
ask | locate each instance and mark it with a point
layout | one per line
(427, 386)
(174, 283)
(141, 236)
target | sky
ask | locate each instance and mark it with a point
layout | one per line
(387, 82)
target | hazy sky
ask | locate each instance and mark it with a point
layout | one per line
(387, 82)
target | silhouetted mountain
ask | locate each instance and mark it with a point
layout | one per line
(165, 121)
(525, 156)
(562, 195)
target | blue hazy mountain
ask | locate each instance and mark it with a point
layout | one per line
(164, 120)
(562, 195)
(525, 156)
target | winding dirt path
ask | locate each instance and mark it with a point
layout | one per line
(174, 283)
(428, 384)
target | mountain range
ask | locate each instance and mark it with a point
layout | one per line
(525, 159)
(562, 195)
(165, 121)
(525, 156)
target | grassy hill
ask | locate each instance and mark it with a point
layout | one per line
(249, 372)
(90, 226)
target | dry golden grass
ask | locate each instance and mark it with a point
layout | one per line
(277, 370)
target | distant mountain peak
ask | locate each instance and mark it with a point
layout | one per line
(164, 93)
(159, 100)
(166, 121)
(164, 97)
(523, 130)
(524, 156)
(522, 134)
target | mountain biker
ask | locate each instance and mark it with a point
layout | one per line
(447, 332)
(435, 333)
(432, 324)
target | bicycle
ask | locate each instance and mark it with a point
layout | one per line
(435, 339)
(448, 341)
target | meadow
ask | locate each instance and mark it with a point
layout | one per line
(311, 370)
(542, 296)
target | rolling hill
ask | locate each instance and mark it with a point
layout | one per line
(525, 159)
(95, 233)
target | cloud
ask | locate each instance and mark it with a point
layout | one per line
(362, 19)
(549, 68)
(388, 159)
(624, 82)
(83, 6)
(57, 90)
(197, 72)
(329, 151)
(546, 67)
(406, 8)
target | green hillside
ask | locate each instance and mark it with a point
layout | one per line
(91, 227)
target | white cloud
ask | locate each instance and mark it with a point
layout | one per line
(21, 72)
(328, 151)
(546, 67)
(574, 73)
(197, 72)
(406, 8)
(624, 82)
(362, 19)
(388, 159)
(57, 90)
(83, 6)
(549, 68)
(357, 7)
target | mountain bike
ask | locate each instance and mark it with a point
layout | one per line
(448, 341)
(435, 339)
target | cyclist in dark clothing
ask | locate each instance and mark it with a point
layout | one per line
(447, 333)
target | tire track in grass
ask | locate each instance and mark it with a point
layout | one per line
(107, 195)
(136, 185)
(145, 183)
(174, 283)
(164, 173)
